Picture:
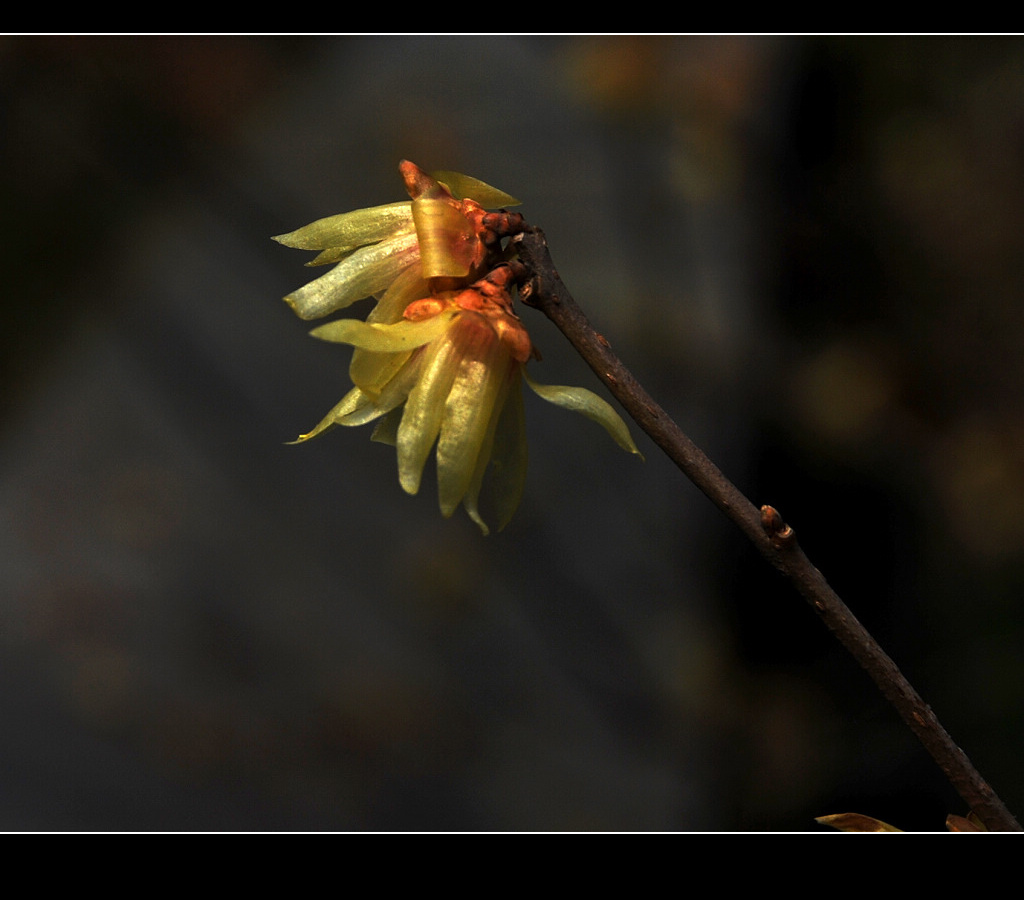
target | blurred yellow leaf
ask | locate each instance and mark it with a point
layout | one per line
(855, 822)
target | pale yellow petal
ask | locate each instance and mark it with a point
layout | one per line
(471, 501)
(466, 186)
(386, 430)
(359, 408)
(332, 255)
(392, 396)
(373, 371)
(588, 404)
(362, 416)
(501, 465)
(468, 412)
(353, 401)
(397, 390)
(370, 370)
(401, 337)
(368, 271)
(353, 229)
(424, 410)
(509, 457)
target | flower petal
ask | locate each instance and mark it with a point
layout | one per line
(386, 430)
(400, 337)
(466, 186)
(358, 408)
(406, 288)
(330, 255)
(509, 457)
(589, 404)
(353, 229)
(353, 401)
(424, 410)
(502, 458)
(367, 271)
(375, 370)
(469, 409)
(448, 242)
(370, 370)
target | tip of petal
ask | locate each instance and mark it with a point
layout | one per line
(410, 482)
(483, 525)
(294, 306)
(463, 186)
(590, 405)
(292, 239)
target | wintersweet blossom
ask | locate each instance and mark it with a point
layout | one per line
(440, 360)
(450, 372)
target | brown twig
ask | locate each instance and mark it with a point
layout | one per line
(542, 288)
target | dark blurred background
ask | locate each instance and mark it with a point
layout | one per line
(809, 250)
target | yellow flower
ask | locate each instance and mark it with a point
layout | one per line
(444, 233)
(449, 371)
(441, 358)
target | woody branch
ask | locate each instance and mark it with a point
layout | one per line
(542, 288)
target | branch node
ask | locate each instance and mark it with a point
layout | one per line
(780, 534)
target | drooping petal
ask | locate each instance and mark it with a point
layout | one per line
(509, 457)
(588, 404)
(421, 420)
(471, 501)
(466, 186)
(371, 370)
(400, 337)
(358, 407)
(470, 407)
(502, 461)
(367, 271)
(353, 401)
(396, 391)
(347, 231)
(367, 413)
(386, 430)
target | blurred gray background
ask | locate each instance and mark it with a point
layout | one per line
(809, 250)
